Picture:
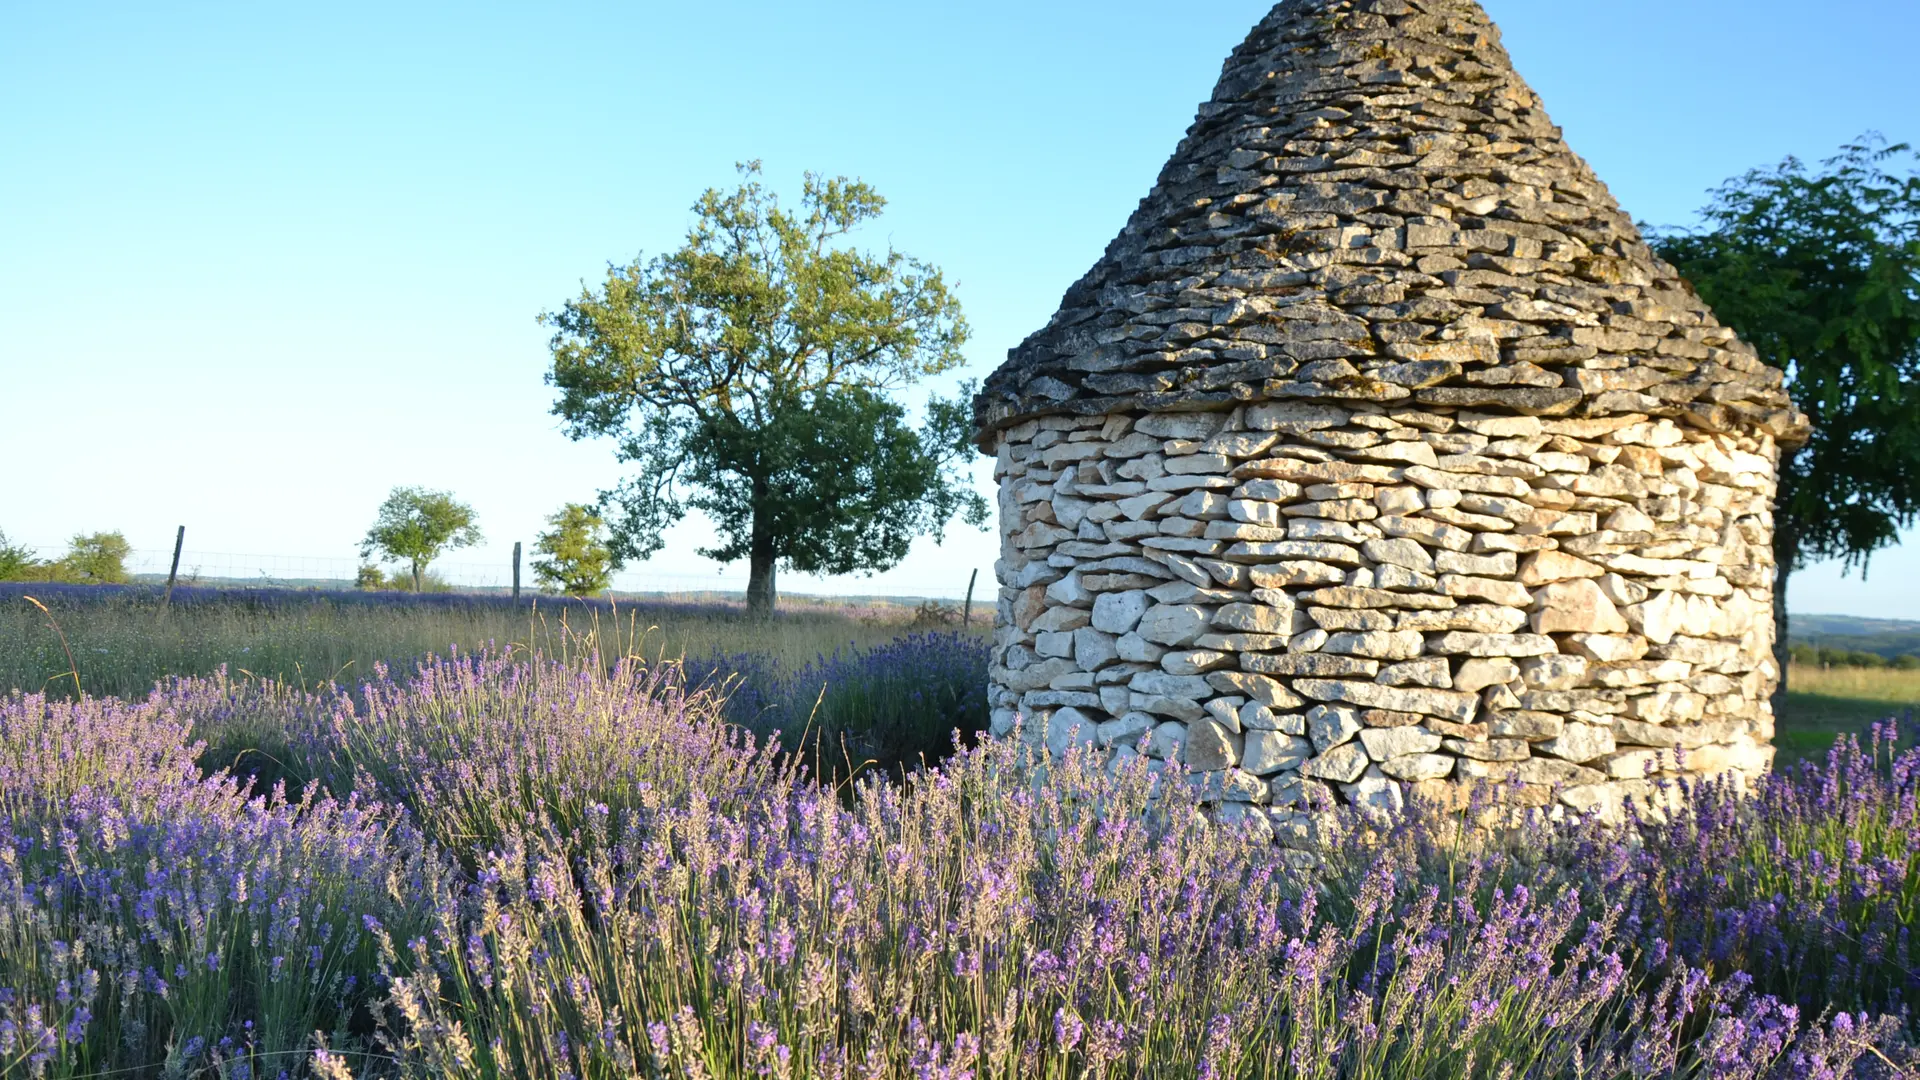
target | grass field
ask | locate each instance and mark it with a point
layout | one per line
(1825, 702)
(123, 644)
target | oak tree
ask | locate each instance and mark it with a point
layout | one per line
(1819, 269)
(750, 375)
(415, 525)
(574, 555)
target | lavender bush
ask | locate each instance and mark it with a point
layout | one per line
(152, 922)
(889, 707)
(517, 867)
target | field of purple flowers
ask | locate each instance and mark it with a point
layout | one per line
(502, 866)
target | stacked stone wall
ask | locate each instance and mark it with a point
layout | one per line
(1307, 603)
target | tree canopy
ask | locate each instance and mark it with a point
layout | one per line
(415, 525)
(1819, 269)
(576, 558)
(749, 375)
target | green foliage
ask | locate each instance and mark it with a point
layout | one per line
(369, 578)
(749, 375)
(577, 559)
(1831, 656)
(1820, 271)
(16, 560)
(415, 525)
(95, 559)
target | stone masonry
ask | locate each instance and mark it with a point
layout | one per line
(1379, 455)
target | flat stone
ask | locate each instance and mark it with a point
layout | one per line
(1542, 567)
(1406, 553)
(1576, 605)
(1554, 672)
(1255, 618)
(1267, 490)
(1119, 612)
(1267, 691)
(1308, 663)
(1446, 704)
(1477, 618)
(1360, 597)
(1498, 565)
(1173, 625)
(1210, 746)
(1139, 506)
(1168, 742)
(1295, 417)
(1093, 650)
(1580, 743)
(1124, 730)
(1254, 512)
(1180, 708)
(1341, 764)
(1138, 650)
(1463, 643)
(1524, 724)
(1269, 752)
(1164, 683)
(1295, 573)
(1057, 619)
(1180, 425)
(1376, 797)
(1377, 644)
(1428, 671)
(1606, 648)
(1330, 725)
(1193, 661)
(1385, 743)
(1058, 644)
(1069, 728)
(1417, 767)
(1317, 472)
(1489, 749)
(1069, 592)
(1493, 590)
(1479, 673)
(1554, 771)
(1432, 533)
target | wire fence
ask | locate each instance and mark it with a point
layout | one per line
(228, 568)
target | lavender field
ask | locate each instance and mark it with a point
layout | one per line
(518, 864)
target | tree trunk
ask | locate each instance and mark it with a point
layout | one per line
(416, 575)
(760, 588)
(760, 559)
(1782, 568)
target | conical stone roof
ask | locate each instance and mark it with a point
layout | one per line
(1374, 206)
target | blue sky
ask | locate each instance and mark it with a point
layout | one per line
(259, 263)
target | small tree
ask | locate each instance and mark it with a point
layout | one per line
(578, 559)
(96, 559)
(748, 374)
(1820, 272)
(16, 560)
(415, 525)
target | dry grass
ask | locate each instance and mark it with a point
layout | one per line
(1825, 702)
(121, 647)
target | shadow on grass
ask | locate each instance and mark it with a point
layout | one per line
(1810, 723)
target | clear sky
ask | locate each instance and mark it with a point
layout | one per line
(261, 262)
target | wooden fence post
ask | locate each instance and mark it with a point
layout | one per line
(516, 569)
(179, 539)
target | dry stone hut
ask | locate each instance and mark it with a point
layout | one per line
(1379, 454)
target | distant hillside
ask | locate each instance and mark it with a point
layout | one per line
(1888, 637)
